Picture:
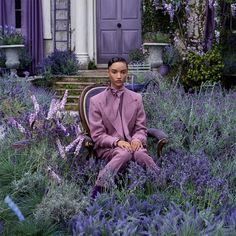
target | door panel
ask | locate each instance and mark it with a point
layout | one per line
(109, 12)
(108, 42)
(118, 28)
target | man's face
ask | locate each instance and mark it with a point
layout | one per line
(117, 73)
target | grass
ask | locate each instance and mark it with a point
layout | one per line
(197, 195)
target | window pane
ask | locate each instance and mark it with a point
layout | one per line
(18, 4)
(18, 19)
(18, 13)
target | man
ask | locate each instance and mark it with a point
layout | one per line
(117, 124)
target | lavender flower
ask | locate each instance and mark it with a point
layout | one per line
(61, 149)
(63, 101)
(54, 107)
(79, 145)
(14, 123)
(73, 143)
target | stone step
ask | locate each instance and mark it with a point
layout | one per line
(71, 85)
(72, 106)
(75, 84)
(71, 99)
(71, 92)
(92, 79)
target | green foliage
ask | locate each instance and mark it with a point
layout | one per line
(24, 58)
(154, 19)
(2, 59)
(156, 37)
(138, 55)
(9, 36)
(228, 42)
(202, 67)
(171, 56)
(61, 202)
(92, 65)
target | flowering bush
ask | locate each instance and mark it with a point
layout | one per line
(61, 63)
(197, 191)
(9, 36)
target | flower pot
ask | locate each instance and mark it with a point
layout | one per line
(155, 53)
(12, 55)
(164, 69)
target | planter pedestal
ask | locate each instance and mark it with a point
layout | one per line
(12, 56)
(155, 54)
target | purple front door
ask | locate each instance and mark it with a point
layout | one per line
(118, 28)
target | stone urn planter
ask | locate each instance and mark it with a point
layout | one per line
(155, 54)
(12, 55)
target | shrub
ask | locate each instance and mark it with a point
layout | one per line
(202, 67)
(170, 56)
(138, 55)
(61, 63)
(156, 37)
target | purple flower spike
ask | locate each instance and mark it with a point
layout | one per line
(61, 149)
(14, 123)
(63, 101)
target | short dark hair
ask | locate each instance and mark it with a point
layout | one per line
(117, 59)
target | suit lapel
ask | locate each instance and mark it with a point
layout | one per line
(128, 111)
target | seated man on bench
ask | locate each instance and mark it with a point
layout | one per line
(118, 126)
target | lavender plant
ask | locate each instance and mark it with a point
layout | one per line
(193, 195)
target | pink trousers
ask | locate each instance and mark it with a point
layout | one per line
(118, 157)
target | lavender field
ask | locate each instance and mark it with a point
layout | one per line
(46, 180)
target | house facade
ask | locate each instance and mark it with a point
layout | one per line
(93, 29)
(99, 29)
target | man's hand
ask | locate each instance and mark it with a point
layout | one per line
(124, 145)
(136, 145)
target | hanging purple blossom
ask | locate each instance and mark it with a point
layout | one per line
(169, 8)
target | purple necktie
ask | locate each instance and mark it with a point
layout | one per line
(117, 104)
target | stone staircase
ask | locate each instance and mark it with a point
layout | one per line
(75, 85)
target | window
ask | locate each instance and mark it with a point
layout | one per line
(18, 13)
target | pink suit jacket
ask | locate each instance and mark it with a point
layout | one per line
(106, 126)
